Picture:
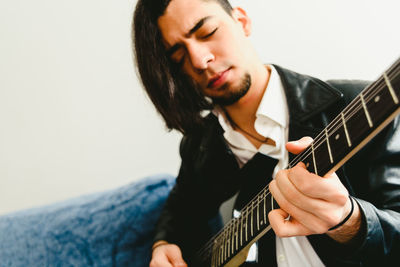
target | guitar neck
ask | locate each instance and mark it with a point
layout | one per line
(374, 108)
(358, 123)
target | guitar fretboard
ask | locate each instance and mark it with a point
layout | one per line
(361, 120)
(364, 116)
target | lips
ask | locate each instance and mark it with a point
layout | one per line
(218, 79)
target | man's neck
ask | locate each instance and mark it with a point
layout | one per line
(243, 112)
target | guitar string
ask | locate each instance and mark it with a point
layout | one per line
(353, 108)
(367, 97)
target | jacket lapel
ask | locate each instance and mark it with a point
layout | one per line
(307, 98)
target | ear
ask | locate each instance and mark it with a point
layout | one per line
(241, 16)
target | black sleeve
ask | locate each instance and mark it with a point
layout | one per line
(185, 217)
(380, 202)
(374, 175)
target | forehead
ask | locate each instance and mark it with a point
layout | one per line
(181, 15)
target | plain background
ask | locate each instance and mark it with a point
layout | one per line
(74, 118)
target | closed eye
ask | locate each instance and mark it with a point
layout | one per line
(180, 63)
(211, 33)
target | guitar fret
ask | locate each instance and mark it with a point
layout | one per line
(366, 111)
(229, 241)
(337, 141)
(265, 212)
(313, 157)
(221, 250)
(345, 129)
(224, 249)
(241, 230)
(218, 256)
(233, 238)
(391, 90)
(221, 254)
(258, 216)
(237, 235)
(261, 200)
(227, 245)
(247, 220)
(215, 253)
(251, 223)
(328, 145)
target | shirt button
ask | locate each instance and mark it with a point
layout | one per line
(281, 258)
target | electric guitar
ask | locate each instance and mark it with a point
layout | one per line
(375, 107)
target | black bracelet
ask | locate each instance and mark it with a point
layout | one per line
(347, 217)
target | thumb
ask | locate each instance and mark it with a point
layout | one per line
(175, 257)
(298, 146)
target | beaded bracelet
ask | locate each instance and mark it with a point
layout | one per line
(347, 217)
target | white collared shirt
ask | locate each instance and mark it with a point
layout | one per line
(272, 121)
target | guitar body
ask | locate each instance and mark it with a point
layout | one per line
(239, 259)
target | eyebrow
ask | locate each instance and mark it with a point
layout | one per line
(197, 26)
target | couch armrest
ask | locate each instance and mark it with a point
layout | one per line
(111, 228)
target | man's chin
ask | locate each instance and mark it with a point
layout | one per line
(231, 96)
(225, 101)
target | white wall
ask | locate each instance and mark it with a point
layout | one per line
(73, 116)
(327, 38)
(74, 119)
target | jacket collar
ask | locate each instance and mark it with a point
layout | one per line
(306, 96)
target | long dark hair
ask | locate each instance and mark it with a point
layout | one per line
(175, 96)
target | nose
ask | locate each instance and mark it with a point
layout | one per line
(200, 56)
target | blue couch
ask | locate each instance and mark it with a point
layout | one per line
(112, 228)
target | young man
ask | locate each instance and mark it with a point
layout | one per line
(194, 56)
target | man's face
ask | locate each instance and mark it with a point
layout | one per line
(210, 46)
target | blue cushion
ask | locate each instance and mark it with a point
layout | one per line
(112, 228)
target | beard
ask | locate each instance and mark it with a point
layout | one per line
(234, 94)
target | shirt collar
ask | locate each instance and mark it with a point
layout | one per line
(273, 103)
(272, 106)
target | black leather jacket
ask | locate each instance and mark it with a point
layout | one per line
(208, 176)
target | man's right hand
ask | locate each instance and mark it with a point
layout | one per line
(166, 255)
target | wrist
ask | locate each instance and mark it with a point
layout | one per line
(350, 229)
(158, 243)
(347, 217)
